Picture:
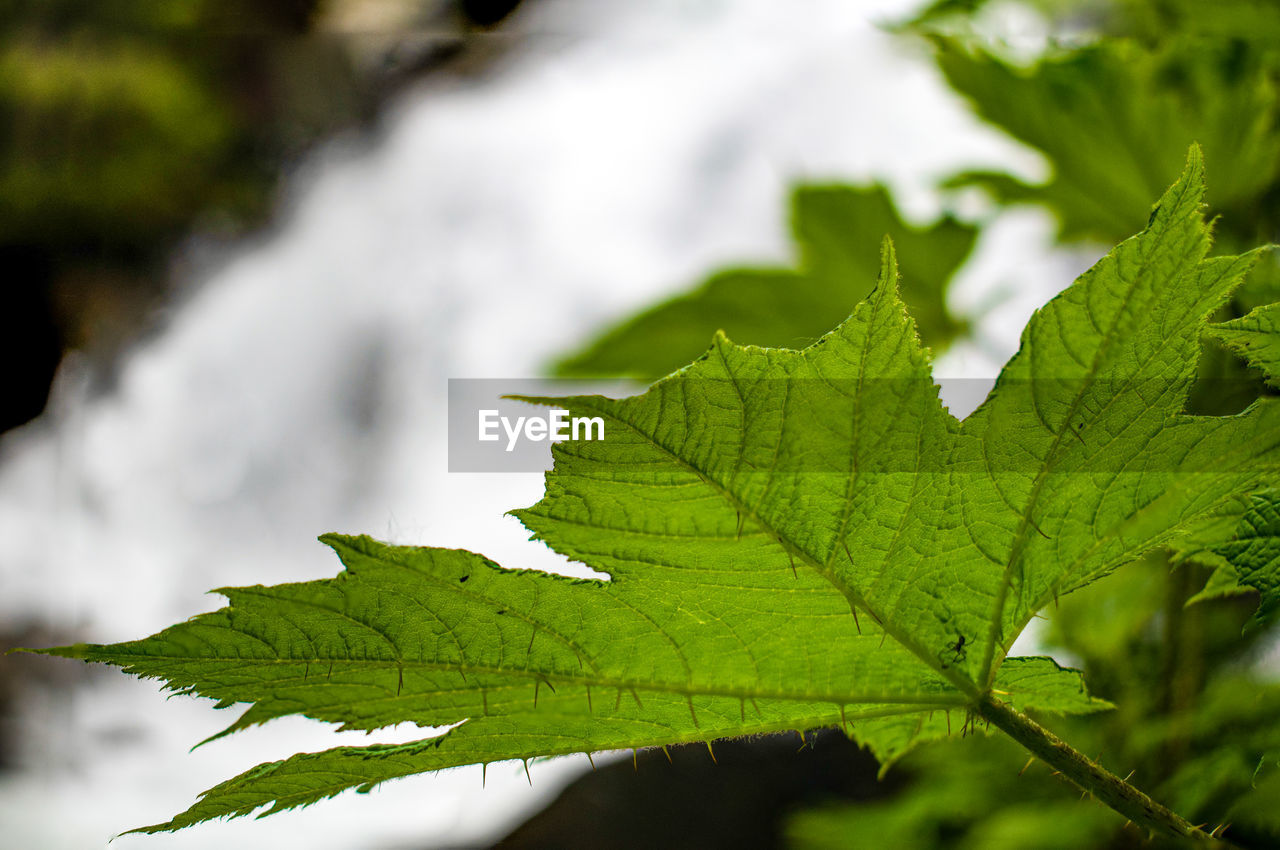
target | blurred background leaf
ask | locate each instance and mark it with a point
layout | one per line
(837, 231)
(1114, 117)
(1114, 102)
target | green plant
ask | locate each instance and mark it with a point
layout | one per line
(793, 539)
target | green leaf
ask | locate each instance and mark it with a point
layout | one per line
(1254, 554)
(543, 665)
(793, 539)
(1256, 338)
(836, 230)
(1115, 117)
(1234, 736)
(1222, 582)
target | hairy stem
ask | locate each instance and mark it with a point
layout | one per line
(1089, 775)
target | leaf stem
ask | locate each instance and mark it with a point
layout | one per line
(1090, 776)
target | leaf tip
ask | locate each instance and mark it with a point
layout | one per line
(1195, 162)
(80, 651)
(1184, 199)
(337, 541)
(888, 259)
(886, 288)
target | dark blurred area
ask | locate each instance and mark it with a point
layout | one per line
(685, 799)
(127, 125)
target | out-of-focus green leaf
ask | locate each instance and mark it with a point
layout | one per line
(1114, 116)
(1256, 21)
(964, 795)
(1230, 732)
(837, 231)
(1256, 812)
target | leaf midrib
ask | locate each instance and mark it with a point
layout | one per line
(1021, 537)
(1130, 553)
(606, 682)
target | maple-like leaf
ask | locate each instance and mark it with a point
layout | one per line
(793, 539)
(837, 230)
